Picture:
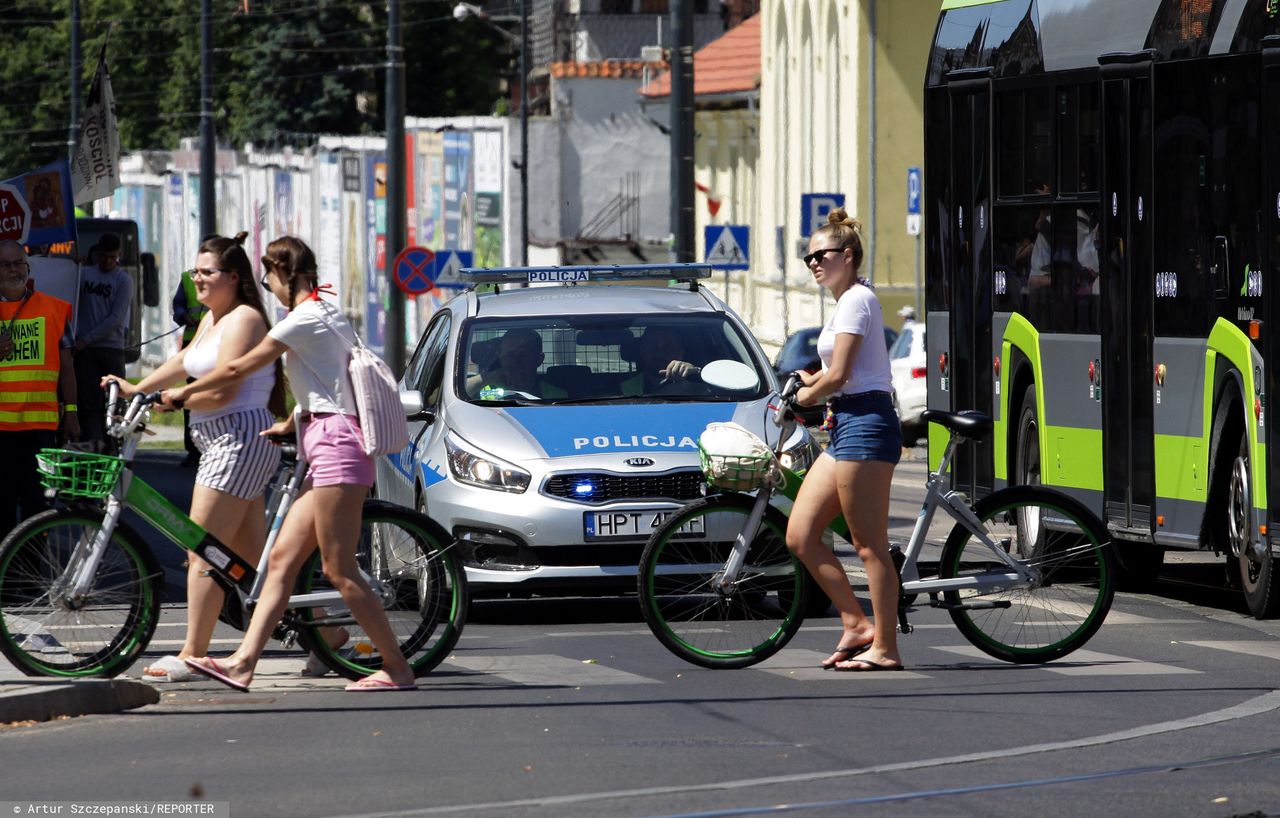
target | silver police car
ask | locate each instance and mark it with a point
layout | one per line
(559, 420)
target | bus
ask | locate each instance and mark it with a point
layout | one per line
(56, 270)
(1102, 220)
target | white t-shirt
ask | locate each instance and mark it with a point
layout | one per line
(316, 362)
(858, 313)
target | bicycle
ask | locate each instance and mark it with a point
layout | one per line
(1027, 573)
(80, 589)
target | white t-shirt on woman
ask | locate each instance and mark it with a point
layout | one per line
(316, 362)
(858, 313)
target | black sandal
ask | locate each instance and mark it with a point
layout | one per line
(848, 653)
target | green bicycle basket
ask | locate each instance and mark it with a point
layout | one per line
(78, 474)
(736, 472)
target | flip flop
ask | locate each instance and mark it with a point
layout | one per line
(370, 684)
(216, 673)
(172, 669)
(848, 653)
(870, 666)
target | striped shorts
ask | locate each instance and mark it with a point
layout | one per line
(233, 457)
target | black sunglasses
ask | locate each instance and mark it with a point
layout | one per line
(821, 255)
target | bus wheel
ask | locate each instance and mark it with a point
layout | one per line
(1257, 568)
(1026, 463)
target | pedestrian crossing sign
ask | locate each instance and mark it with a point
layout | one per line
(728, 246)
(448, 263)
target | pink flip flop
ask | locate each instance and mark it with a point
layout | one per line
(369, 684)
(216, 673)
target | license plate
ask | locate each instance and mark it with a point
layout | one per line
(635, 524)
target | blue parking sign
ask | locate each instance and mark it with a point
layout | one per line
(913, 191)
(814, 208)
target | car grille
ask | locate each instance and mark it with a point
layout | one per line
(609, 488)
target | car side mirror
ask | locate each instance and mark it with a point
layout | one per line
(411, 400)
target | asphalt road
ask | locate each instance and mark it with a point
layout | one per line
(571, 707)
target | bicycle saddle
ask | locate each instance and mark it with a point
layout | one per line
(970, 423)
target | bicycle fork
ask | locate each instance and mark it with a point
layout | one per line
(738, 554)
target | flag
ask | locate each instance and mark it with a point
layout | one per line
(95, 168)
(35, 208)
(713, 202)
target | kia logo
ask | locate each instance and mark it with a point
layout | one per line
(638, 462)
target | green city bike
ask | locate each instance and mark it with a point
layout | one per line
(80, 590)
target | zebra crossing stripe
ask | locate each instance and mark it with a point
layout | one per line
(547, 670)
(1266, 648)
(1085, 663)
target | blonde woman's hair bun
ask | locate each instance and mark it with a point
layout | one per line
(841, 217)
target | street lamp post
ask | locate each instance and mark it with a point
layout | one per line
(461, 12)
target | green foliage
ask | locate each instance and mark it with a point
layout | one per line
(285, 72)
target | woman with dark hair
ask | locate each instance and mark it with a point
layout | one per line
(315, 340)
(236, 464)
(853, 476)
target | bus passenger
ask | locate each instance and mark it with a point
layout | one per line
(853, 475)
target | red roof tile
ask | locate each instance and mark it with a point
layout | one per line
(728, 65)
(616, 69)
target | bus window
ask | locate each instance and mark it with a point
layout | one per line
(1078, 138)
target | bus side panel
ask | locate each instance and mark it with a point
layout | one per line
(1182, 429)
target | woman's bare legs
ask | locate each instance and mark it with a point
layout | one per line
(237, 523)
(863, 487)
(815, 507)
(328, 517)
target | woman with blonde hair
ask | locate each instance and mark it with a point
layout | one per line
(853, 476)
(236, 464)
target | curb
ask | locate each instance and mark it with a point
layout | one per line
(51, 699)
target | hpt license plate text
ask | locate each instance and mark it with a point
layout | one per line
(635, 524)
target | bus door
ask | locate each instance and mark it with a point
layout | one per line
(972, 353)
(1126, 374)
(1270, 241)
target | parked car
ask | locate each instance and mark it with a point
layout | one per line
(910, 368)
(800, 352)
(549, 443)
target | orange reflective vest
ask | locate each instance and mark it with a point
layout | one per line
(29, 376)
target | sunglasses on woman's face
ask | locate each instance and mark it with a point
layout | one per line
(821, 255)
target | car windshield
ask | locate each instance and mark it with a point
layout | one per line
(600, 359)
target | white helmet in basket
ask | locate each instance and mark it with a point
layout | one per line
(735, 459)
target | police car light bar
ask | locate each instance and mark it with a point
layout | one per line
(577, 275)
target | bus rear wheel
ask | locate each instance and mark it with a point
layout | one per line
(1256, 566)
(1026, 464)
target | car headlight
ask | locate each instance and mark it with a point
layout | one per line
(474, 467)
(799, 456)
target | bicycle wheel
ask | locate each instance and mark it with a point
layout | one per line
(419, 578)
(711, 626)
(1066, 549)
(43, 631)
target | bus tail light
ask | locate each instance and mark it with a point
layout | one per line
(1093, 371)
(1255, 329)
(1257, 408)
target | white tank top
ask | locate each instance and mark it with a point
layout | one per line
(200, 360)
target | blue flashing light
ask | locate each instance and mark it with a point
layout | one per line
(584, 489)
(584, 274)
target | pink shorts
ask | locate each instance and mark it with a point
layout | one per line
(333, 446)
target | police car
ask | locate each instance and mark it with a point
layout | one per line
(558, 418)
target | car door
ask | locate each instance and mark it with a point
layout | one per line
(397, 473)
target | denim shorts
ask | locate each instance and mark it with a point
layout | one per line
(866, 428)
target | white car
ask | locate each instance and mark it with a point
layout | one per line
(910, 368)
(554, 484)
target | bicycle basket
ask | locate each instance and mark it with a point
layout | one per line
(734, 459)
(78, 474)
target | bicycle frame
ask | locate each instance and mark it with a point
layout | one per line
(953, 502)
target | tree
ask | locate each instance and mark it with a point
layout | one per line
(285, 71)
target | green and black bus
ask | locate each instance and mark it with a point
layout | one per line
(1102, 221)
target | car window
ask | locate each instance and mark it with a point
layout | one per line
(437, 347)
(902, 346)
(413, 371)
(599, 358)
